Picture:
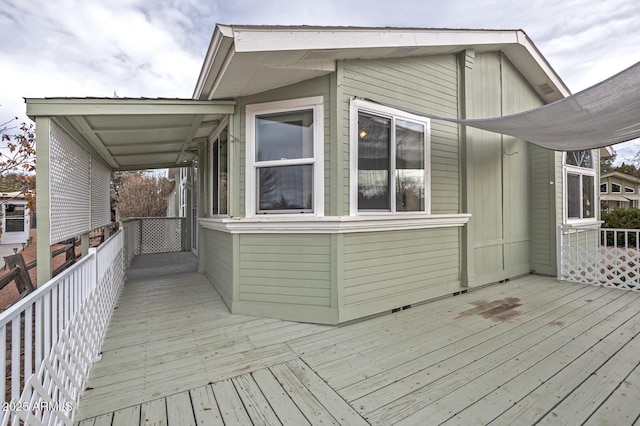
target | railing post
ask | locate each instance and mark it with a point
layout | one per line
(183, 226)
(139, 221)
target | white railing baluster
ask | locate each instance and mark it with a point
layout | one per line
(53, 318)
(3, 360)
(71, 314)
(28, 341)
(15, 357)
(39, 337)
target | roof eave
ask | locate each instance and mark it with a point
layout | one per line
(221, 43)
(230, 42)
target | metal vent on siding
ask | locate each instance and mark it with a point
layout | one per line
(320, 54)
(546, 89)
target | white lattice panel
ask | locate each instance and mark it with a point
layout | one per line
(70, 186)
(610, 258)
(619, 267)
(100, 194)
(161, 235)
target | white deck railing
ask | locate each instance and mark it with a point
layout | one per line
(606, 257)
(145, 235)
(56, 335)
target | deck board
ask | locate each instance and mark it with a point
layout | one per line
(127, 416)
(205, 406)
(256, 405)
(552, 338)
(527, 351)
(230, 404)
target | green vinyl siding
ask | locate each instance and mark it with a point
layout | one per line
(543, 221)
(293, 269)
(512, 189)
(316, 87)
(219, 263)
(422, 85)
(508, 180)
(385, 270)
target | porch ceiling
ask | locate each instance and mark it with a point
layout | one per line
(135, 134)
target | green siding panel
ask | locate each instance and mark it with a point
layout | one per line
(423, 85)
(291, 269)
(315, 87)
(508, 179)
(219, 264)
(398, 267)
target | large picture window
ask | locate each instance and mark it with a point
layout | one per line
(389, 159)
(580, 178)
(284, 170)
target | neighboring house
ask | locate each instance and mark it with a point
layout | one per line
(324, 191)
(15, 219)
(619, 191)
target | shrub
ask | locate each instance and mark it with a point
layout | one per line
(622, 219)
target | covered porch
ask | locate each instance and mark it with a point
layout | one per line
(526, 351)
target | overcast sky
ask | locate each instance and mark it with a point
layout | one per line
(154, 48)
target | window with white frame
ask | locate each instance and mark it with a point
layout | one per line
(389, 160)
(284, 157)
(580, 177)
(629, 190)
(604, 188)
(616, 188)
(219, 169)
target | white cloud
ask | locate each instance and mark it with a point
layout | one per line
(155, 48)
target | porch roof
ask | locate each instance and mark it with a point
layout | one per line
(611, 197)
(135, 134)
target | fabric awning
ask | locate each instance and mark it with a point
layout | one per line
(602, 115)
(611, 197)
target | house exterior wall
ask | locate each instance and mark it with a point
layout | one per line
(219, 265)
(341, 275)
(508, 189)
(391, 269)
(544, 218)
(315, 87)
(387, 270)
(625, 182)
(286, 276)
(422, 85)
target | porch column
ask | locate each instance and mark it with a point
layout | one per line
(188, 223)
(84, 244)
(43, 200)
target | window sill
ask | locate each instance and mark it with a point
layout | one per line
(583, 223)
(333, 224)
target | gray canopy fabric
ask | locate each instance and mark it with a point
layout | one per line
(602, 115)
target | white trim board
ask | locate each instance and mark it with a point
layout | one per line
(333, 224)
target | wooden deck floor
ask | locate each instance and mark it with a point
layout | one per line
(527, 351)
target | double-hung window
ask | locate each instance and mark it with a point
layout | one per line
(580, 178)
(284, 157)
(389, 160)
